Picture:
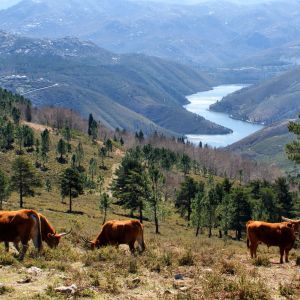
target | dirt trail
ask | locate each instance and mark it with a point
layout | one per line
(37, 126)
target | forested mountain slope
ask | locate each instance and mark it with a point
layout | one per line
(126, 91)
(271, 101)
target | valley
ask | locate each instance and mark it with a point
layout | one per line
(179, 119)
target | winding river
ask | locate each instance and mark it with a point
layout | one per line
(199, 104)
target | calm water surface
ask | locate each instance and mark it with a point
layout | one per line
(199, 104)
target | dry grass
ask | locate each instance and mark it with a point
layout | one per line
(205, 268)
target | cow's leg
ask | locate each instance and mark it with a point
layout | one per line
(16, 245)
(131, 247)
(6, 246)
(23, 251)
(253, 247)
(281, 254)
(140, 240)
(287, 250)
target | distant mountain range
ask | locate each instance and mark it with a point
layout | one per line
(126, 91)
(213, 33)
(271, 101)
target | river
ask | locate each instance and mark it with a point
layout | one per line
(199, 104)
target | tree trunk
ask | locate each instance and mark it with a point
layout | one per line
(189, 214)
(141, 214)
(70, 201)
(104, 219)
(197, 230)
(220, 233)
(21, 196)
(156, 221)
(209, 232)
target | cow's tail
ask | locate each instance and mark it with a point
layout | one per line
(248, 241)
(37, 230)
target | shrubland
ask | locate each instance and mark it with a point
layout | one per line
(192, 201)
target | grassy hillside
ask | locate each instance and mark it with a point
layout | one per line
(176, 264)
(271, 101)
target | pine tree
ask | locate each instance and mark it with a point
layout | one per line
(28, 137)
(20, 138)
(185, 163)
(188, 190)
(102, 154)
(24, 178)
(131, 186)
(293, 149)
(92, 167)
(61, 150)
(45, 145)
(109, 146)
(79, 154)
(4, 188)
(71, 185)
(91, 120)
(104, 205)
(156, 185)
(16, 115)
(238, 210)
(67, 136)
(28, 116)
(284, 196)
(197, 211)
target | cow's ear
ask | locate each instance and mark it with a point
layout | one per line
(49, 235)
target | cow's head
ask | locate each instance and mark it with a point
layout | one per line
(92, 244)
(295, 224)
(53, 239)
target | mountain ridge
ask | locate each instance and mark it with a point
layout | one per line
(125, 91)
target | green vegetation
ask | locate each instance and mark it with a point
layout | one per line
(165, 187)
(293, 149)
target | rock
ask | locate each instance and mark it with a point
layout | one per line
(34, 271)
(25, 280)
(72, 289)
(1, 285)
(207, 270)
(184, 288)
(178, 276)
(136, 281)
(167, 292)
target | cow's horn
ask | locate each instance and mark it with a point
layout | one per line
(286, 219)
(65, 233)
(86, 241)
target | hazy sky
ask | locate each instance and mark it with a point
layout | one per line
(7, 3)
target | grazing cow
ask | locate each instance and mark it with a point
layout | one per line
(282, 235)
(120, 232)
(49, 234)
(21, 226)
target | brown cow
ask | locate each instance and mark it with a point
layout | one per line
(282, 235)
(21, 226)
(120, 232)
(49, 234)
